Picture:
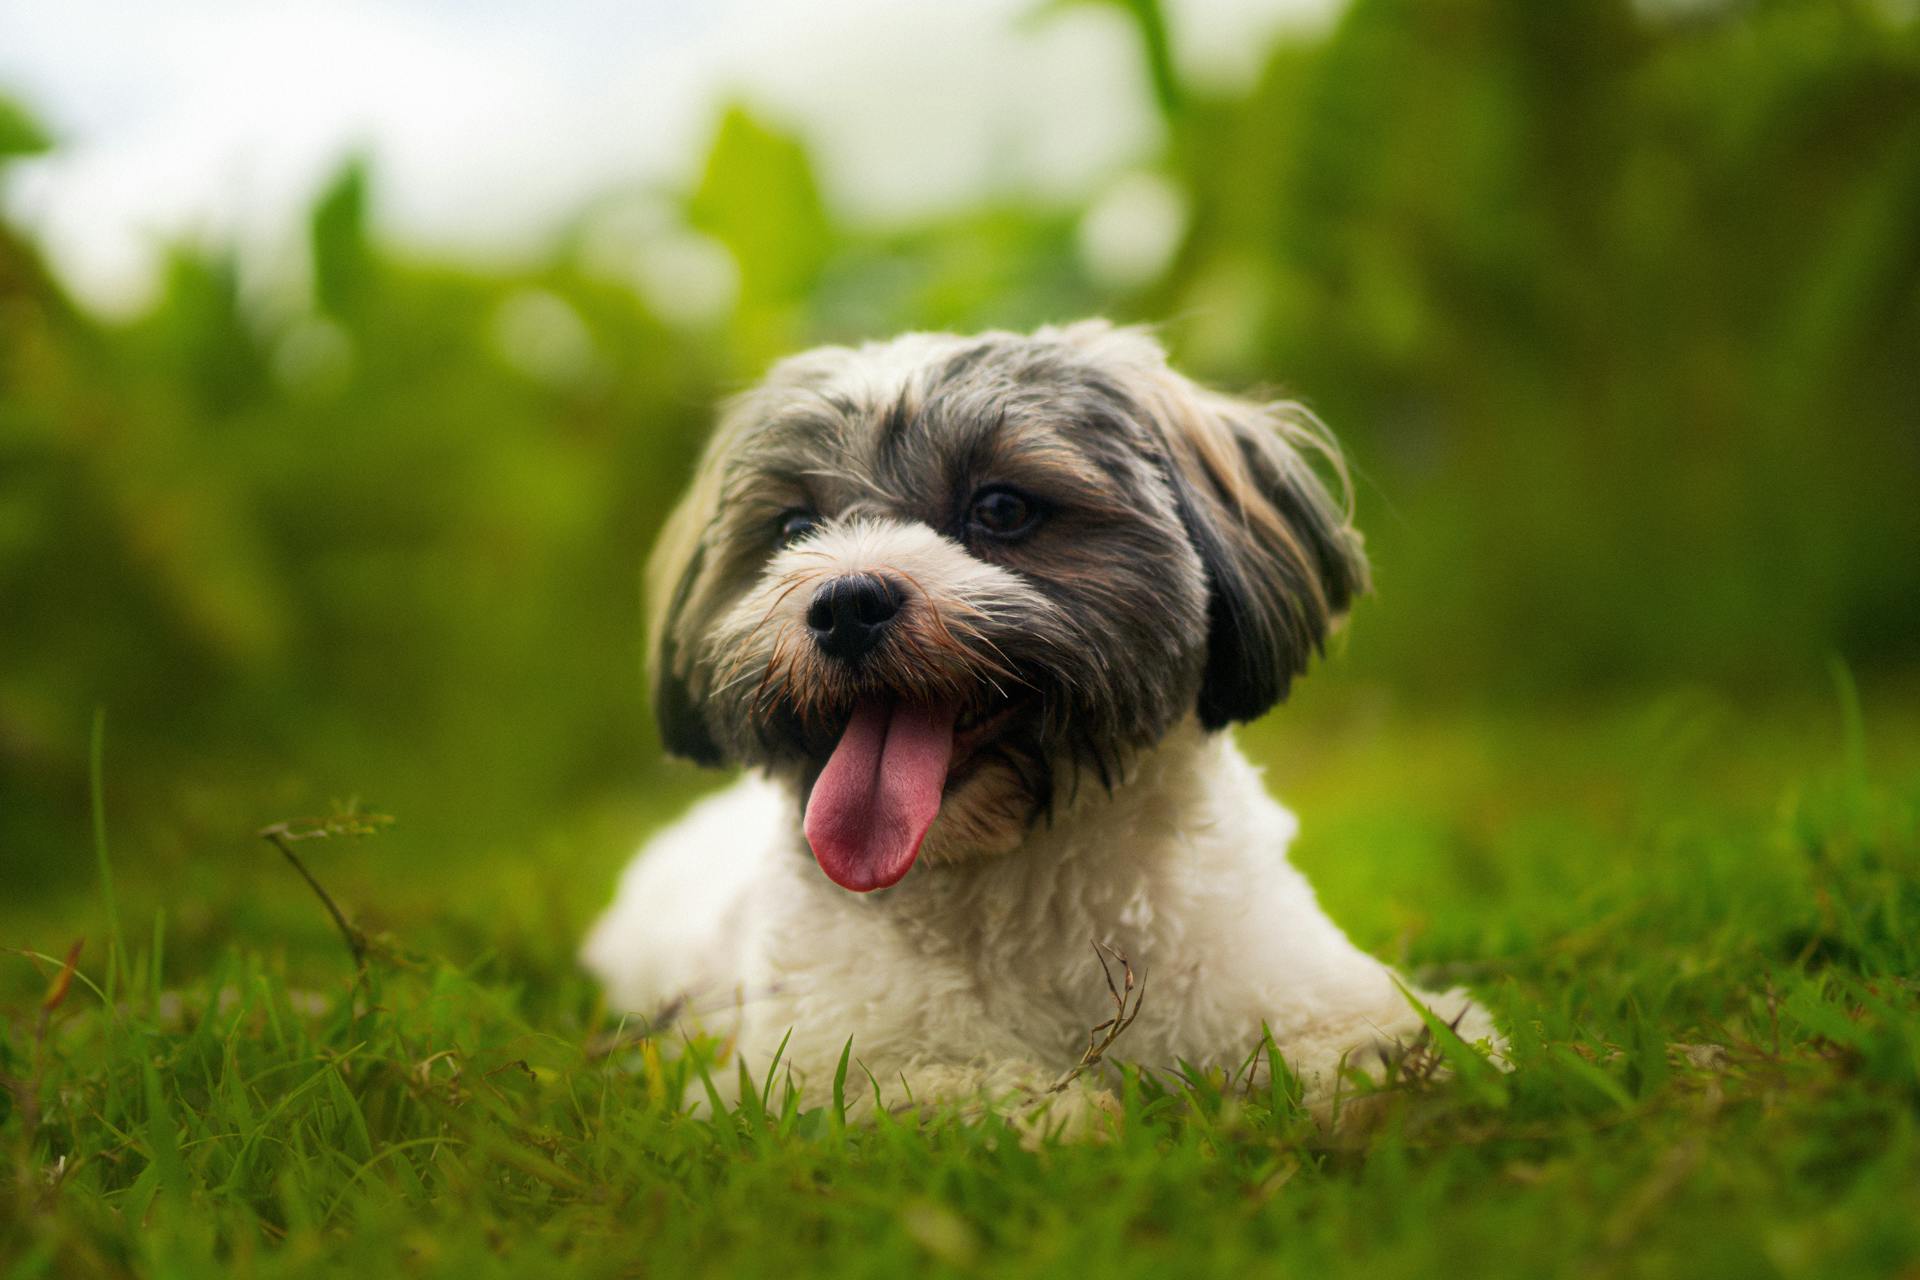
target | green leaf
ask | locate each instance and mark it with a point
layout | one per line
(342, 253)
(20, 133)
(758, 197)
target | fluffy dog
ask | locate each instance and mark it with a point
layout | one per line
(976, 614)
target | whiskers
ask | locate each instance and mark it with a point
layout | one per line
(939, 651)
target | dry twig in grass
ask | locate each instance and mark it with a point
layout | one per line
(1417, 1064)
(348, 822)
(1127, 998)
(26, 1092)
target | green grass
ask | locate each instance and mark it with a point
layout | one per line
(1699, 919)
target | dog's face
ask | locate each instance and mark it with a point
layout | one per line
(942, 583)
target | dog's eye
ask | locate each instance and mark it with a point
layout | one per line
(796, 525)
(1003, 513)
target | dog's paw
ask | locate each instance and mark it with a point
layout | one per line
(1078, 1113)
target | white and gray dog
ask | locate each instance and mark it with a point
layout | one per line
(976, 614)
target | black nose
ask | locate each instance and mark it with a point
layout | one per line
(849, 615)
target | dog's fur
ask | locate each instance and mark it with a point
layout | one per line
(1186, 563)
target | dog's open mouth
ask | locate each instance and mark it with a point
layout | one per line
(880, 791)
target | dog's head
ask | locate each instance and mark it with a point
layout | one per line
(939, 582)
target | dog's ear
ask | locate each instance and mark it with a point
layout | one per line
(700, 560)
(674, 572)
(1283, 559)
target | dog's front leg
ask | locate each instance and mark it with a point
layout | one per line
(1038, 1102)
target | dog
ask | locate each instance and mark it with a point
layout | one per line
(976, 615)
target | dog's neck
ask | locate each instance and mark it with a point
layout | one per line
(1101, 851)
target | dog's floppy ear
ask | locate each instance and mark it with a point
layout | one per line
(701, 560)
(1282, 557)
(674, 572)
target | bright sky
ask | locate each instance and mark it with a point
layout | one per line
(489, 121)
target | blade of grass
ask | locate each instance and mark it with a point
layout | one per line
(1479, 1079)
(96, 783)
(840, 1087)
(366, 1166)
(155, 958)
(773, 1069)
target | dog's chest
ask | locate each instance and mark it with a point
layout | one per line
(1010, 952)
(1044, 967)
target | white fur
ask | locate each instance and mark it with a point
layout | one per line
(979, 978)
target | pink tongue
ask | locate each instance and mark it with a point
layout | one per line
(879, 793)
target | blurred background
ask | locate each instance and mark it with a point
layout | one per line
(351, 353)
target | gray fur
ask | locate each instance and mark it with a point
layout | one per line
(1190, 560)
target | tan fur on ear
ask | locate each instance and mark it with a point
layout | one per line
(1283, 558)
(674, 590)
(673, 555)
(1256, 456)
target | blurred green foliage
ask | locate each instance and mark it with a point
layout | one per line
(1616, 307)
